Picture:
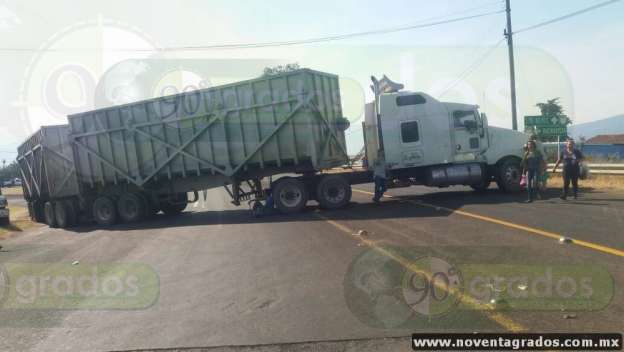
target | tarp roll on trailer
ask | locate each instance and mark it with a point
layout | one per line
(47, 165)
(277, 122)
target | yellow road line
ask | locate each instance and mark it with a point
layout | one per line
(528, 229)
(499, 318)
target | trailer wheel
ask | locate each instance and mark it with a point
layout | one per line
(61, 214)
(290, 195)
(509, 176)
(49, 213)
(333, 192)
(72, 212)
(104, 211)
(39, 212)
(131, 207)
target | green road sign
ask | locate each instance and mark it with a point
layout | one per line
(546, 126)
(544, 121)
(551, 130)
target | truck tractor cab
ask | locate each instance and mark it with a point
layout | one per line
(418, 130)
(426, 141)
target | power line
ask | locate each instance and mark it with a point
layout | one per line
(471, 68)
(561, 18)
(285, 43)
(475, 64)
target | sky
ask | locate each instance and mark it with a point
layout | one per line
(74, 57)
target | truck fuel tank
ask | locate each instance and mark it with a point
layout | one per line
(458, 174)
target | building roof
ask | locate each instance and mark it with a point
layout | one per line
(606, 139)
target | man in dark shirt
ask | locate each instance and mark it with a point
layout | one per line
(571, 158)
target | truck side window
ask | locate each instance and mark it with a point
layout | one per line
(412, 99)
(409, 132)
(460, 116)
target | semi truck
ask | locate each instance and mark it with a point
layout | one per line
(128, 162)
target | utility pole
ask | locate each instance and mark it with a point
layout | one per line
(512, 73)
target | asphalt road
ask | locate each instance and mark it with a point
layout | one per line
(306, 281)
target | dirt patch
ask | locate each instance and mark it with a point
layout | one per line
(12, 191)
(20, 221)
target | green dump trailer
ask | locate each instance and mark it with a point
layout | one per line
(131, 161)
(46, 165)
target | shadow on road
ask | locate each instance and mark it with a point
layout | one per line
(397, 207)
(393, 208)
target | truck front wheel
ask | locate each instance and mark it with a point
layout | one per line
(104, 211)
(333, 192)
(290, 195)
(509, 176)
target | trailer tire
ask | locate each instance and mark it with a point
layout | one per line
(132, 207)
(104, 211)
(290, 195)
(333, 192)
(72, 212)
(39, 212)
(61, 215)
(50, 214)
(509, 174)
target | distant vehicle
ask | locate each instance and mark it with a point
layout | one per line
(12, 182)
(131, 161)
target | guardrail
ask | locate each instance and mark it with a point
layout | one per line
(599, 169)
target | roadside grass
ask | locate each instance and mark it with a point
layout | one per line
(20, 221)
(615, 182)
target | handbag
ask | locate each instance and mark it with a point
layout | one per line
(523, 180)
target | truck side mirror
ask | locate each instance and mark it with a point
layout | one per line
(483, 122)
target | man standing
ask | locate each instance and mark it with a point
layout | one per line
(380, 176)
(571, 158)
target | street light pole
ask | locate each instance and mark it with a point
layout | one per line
(512, 74)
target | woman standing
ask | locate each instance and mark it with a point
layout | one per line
(571, 158)
(533, 164)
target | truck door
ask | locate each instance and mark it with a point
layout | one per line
(466, 130)
(411, 143)
(402, 119)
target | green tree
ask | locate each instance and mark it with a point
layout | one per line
(552, 108)
(9, 171)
